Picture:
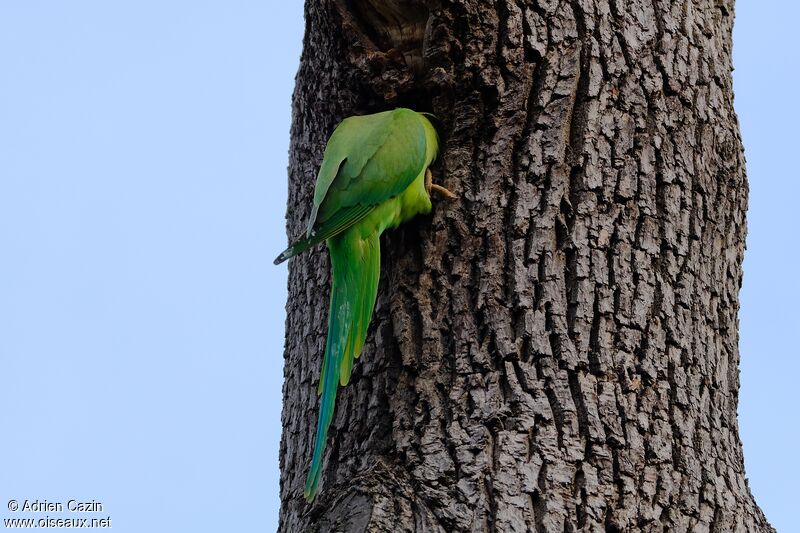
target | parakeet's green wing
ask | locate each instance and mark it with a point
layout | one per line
(354, 141)
(368, 160)
(385, 173)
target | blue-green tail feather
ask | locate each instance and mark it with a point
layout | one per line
(328, 384)
(355, 266)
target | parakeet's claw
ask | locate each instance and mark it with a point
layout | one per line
(443, 192)
(430, 186)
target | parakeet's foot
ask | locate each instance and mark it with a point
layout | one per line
(430, 186)
(444, 192)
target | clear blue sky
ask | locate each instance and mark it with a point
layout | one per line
(143, 153)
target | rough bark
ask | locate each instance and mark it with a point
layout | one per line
(557, 350)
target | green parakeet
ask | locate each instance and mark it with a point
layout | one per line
(374, 176)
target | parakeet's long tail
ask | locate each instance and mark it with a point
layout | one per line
(355, 265)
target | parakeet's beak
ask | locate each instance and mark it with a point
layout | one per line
(430, 186)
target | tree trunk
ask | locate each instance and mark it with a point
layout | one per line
(557, 350)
